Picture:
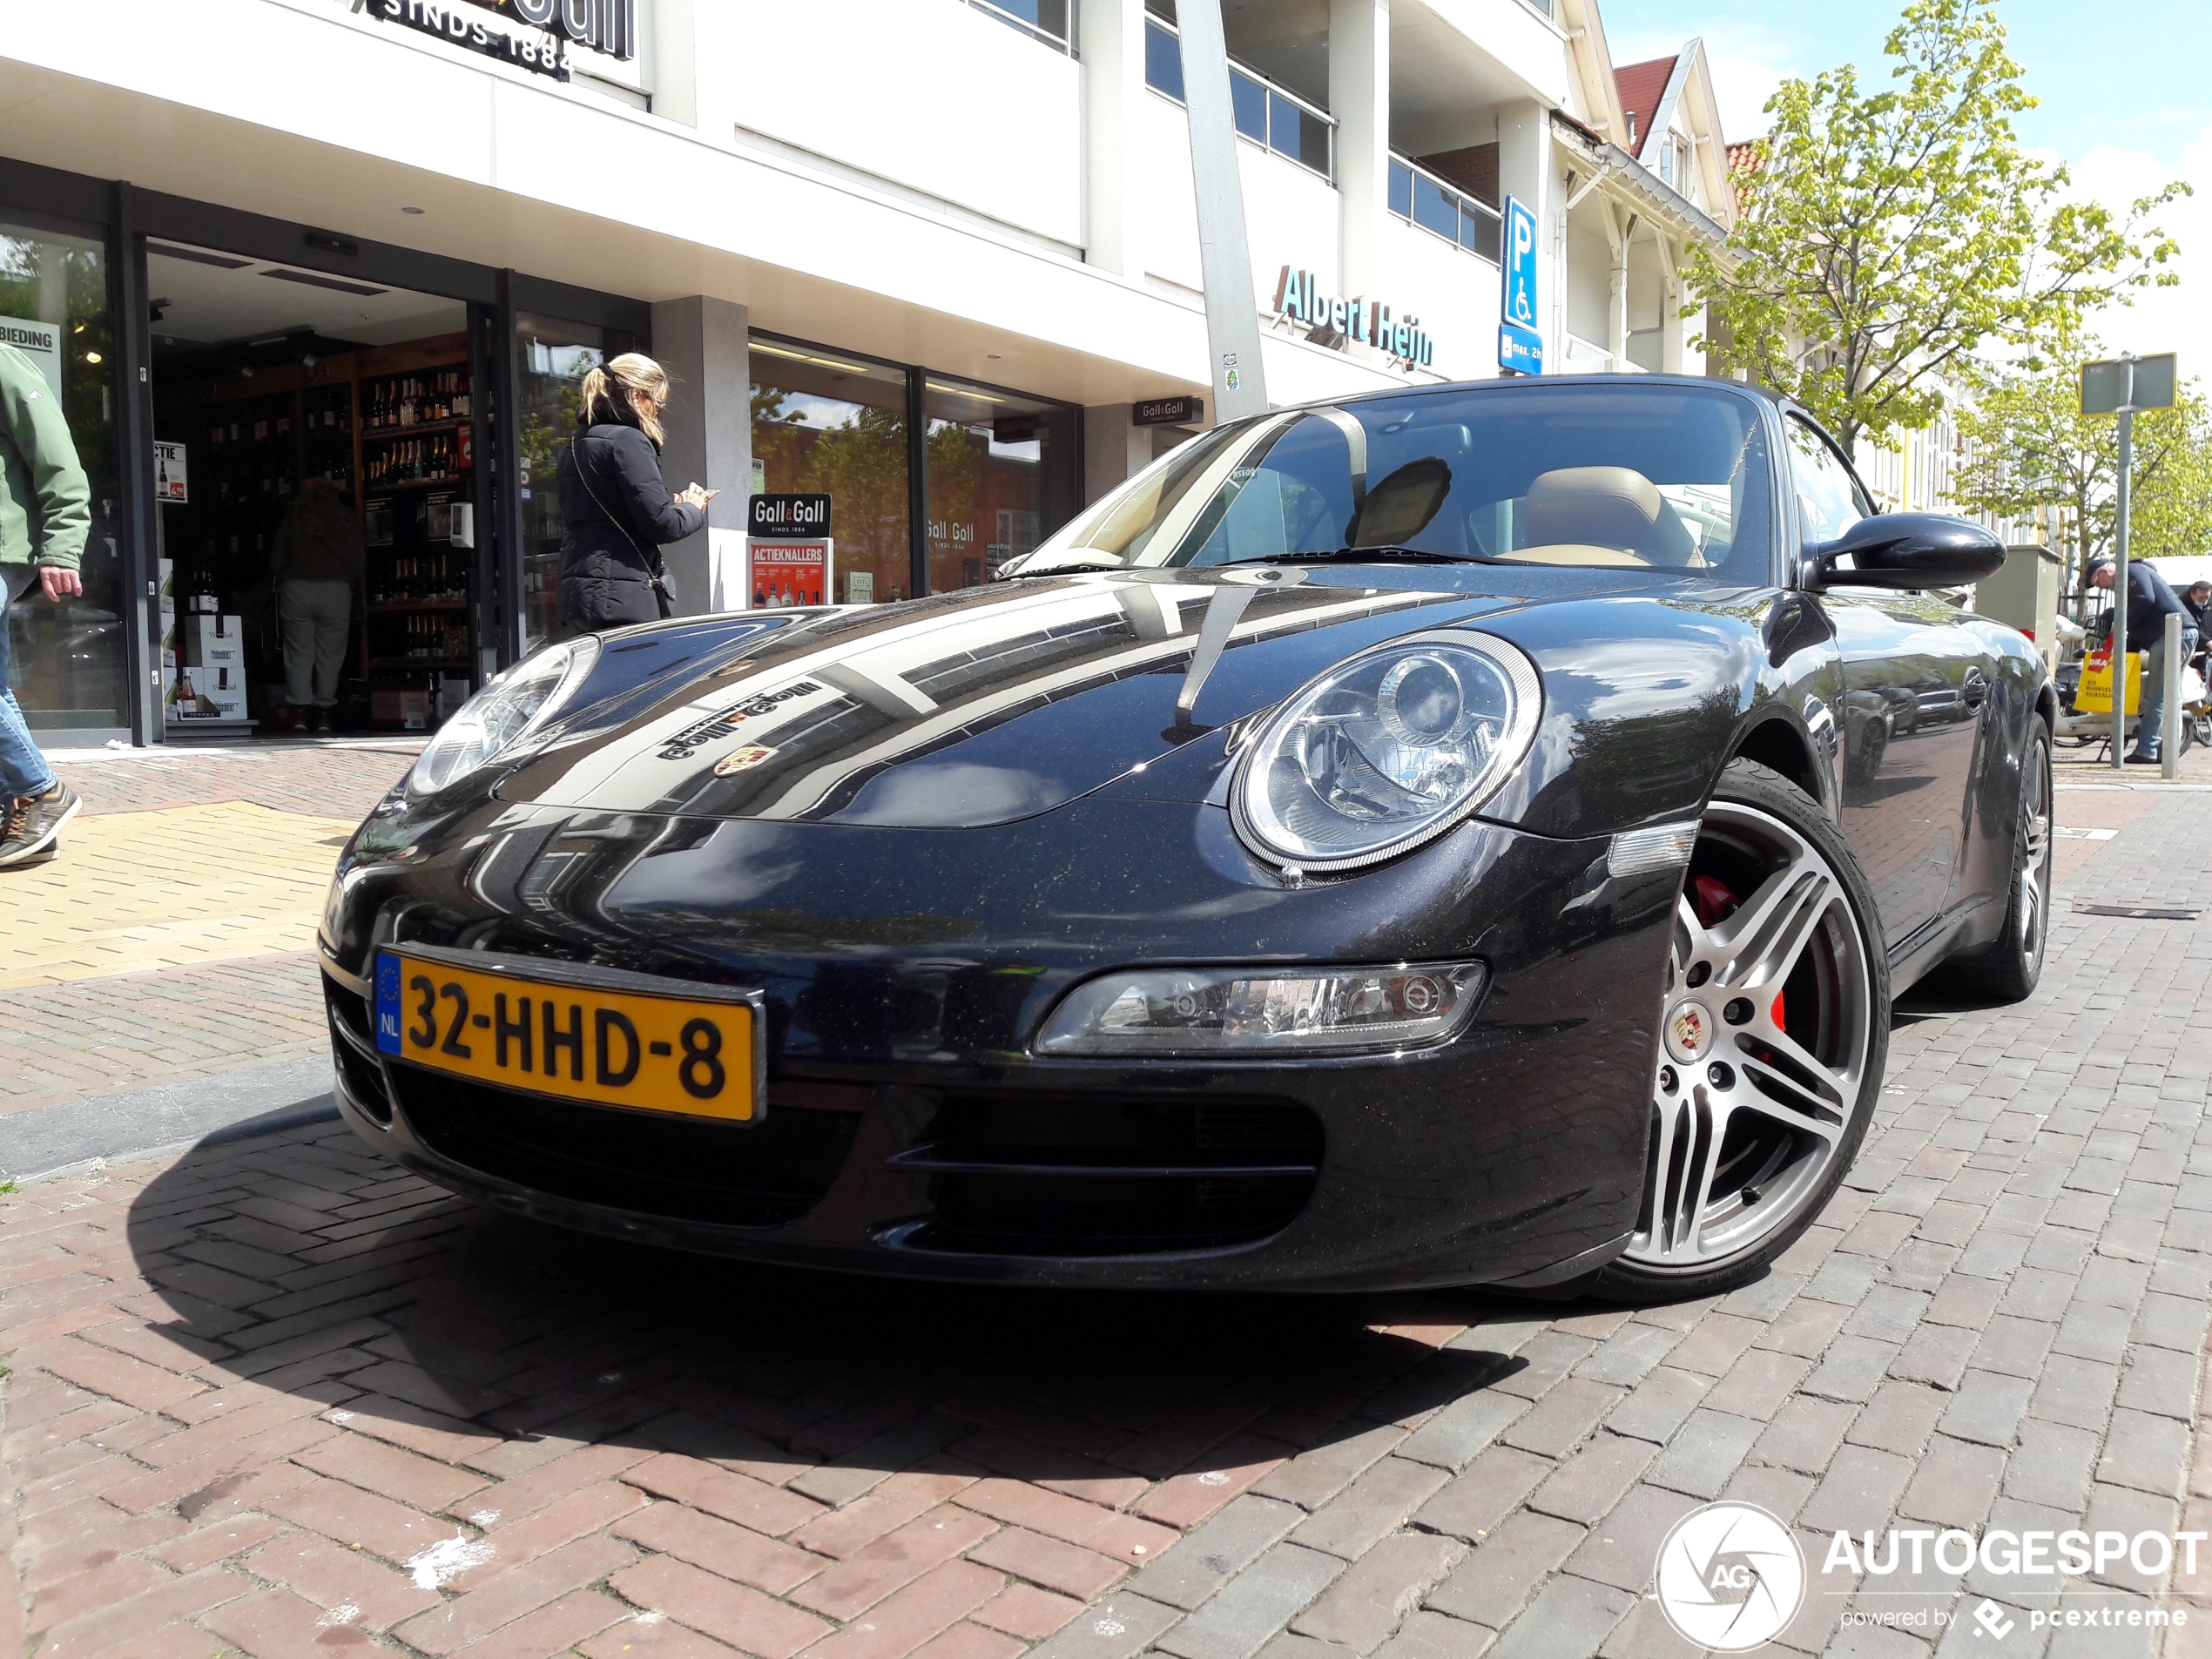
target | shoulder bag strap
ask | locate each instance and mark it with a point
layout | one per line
(653, 565)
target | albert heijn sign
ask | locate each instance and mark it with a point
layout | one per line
(1335, 320)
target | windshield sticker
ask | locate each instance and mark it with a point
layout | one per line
(684, 744)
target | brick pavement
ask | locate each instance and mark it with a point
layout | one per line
(174, 936)
(276, 1397)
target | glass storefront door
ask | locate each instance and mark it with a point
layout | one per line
(824, 423)
(1002, 472)
(552, 357)
(69, 657)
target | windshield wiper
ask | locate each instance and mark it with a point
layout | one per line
(1389, 553)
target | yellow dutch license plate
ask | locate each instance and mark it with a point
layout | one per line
(592, 1034)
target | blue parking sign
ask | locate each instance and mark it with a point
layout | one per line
(1520, 344)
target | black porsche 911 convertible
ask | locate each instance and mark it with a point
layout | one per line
(1468, 834)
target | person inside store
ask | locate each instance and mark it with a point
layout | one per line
(616, 508)
(314, 565)
(2150, 601)
(45, 514)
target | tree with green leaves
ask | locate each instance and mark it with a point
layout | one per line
(1890, 236)
(2027, 445)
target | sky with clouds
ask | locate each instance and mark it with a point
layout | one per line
(2126, 104)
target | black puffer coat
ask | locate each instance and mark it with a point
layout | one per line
(619, 514)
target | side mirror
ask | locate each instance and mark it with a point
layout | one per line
(1909, 550)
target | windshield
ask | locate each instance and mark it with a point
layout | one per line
(1661, 477)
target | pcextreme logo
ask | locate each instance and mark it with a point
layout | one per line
(1731, 1576)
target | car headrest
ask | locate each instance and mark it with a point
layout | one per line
(1606, 507)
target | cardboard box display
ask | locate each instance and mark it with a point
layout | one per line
(216, 639)
(197, 696)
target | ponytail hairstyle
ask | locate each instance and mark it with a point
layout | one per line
(605, 398)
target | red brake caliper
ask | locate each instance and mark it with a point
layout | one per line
(1711, 898)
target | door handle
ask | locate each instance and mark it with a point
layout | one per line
(1975, 690)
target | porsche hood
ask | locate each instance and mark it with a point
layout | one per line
(979, 708)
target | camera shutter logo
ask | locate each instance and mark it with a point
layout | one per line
(1730, 1577)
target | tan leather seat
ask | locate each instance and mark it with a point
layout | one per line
(1610, 506)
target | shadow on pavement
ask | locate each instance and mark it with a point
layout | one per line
(306, 1263)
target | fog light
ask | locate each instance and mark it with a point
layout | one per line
(1235, 1011)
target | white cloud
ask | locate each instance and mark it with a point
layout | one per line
(2177, 319)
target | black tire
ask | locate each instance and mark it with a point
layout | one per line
(2008, 970)
(1739, 1108)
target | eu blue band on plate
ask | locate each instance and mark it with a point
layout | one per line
(388, 1002)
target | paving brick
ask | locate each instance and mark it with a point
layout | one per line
(331, 1576)
(1954, 1484)
(1703, 1455)
(1114, 1628)
(1372, 1507)
(735, 1614)
(891, 1504)
(1364, 1606)
(1857, 1492)
(1565, 1415)
(1570, 1618)
(939, 1599)
(1588, 1484)
(1804, 1433)
(1024, 1610)
(1206, 1558)
(1068, 1568)
(2052, 1466)
(498, 1600)
(1988, 1407)
(2145, 1451)
(1241, 1617)
(1313, 1478)
(1757, 1384)
(862, 1580)
(750, 1503)
(719, 1547)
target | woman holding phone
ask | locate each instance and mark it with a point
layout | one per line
(618, 510)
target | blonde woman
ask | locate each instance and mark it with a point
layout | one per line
(618, 510)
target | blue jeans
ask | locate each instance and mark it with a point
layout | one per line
(23, 771)
(2150, 730)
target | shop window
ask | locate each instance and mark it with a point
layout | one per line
(68, 659)
(1002, 478)
(823, 421)
(552, 357)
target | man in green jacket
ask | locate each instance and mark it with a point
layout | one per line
(45, 513)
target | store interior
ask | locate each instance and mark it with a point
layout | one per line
(271, 378)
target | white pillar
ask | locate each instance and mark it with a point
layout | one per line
(1112, 34)
(1526, 169)
(702, 343)
(1360, 99)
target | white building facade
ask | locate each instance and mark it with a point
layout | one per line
(927, 257)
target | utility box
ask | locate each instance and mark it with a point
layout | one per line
(2024, 594)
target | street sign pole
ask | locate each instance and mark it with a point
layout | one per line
(1224, 255)
(2119, 589)
(2120, 386)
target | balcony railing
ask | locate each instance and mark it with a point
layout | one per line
(1044, 20)
(1421, 198)
(1269, 115)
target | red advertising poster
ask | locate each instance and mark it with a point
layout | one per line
(790, 573)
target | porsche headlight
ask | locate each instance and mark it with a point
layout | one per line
(1385, 751)
(501, 716)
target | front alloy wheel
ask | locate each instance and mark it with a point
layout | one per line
(1773, 1032)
